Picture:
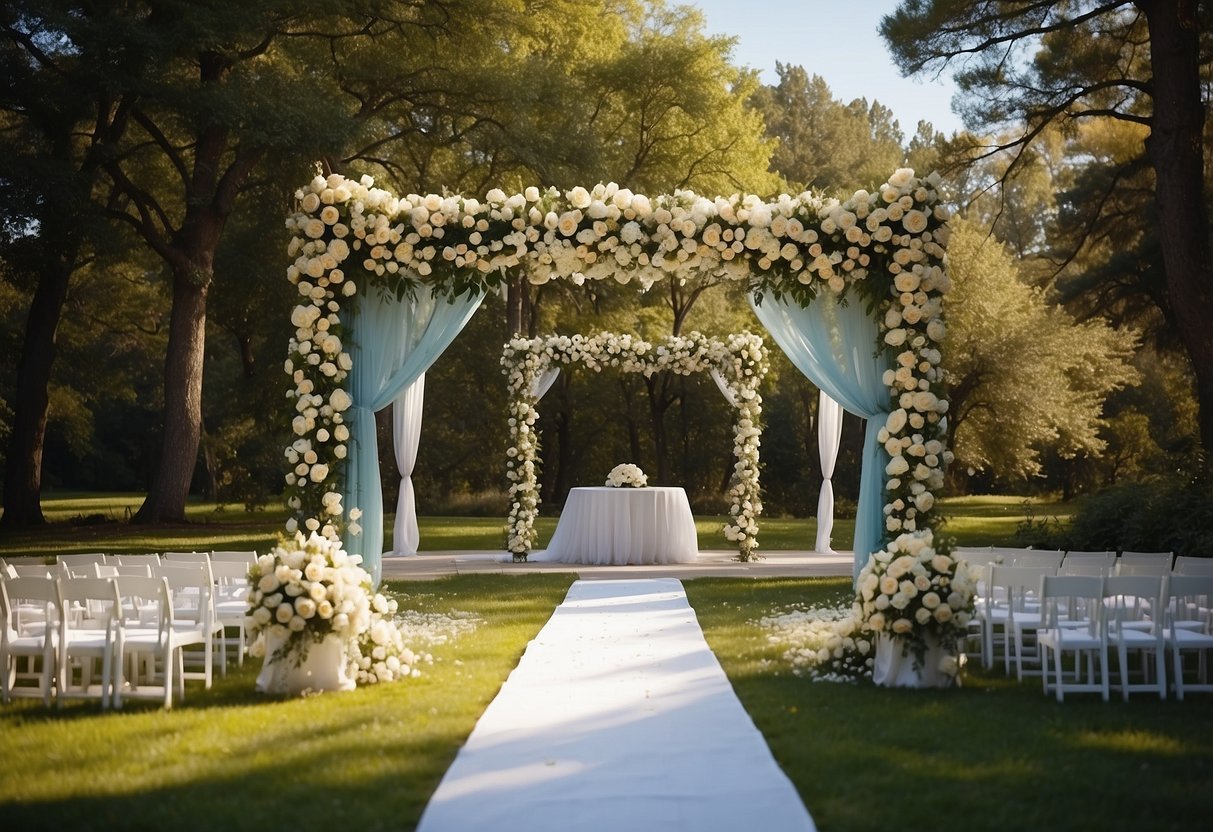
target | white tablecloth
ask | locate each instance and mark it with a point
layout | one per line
(618, 526)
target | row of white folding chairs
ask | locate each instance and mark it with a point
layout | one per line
(104, 638)
(1144, 616)
(1014, 623)
(1008, 591)
(229, 572)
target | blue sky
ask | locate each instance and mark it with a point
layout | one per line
(836, 39)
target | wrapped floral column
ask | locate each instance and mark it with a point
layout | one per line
(316, 622)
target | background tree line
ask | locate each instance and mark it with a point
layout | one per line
(148, 152)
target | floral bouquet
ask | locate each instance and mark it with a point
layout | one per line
(626, 476)
(308, 589)
(913, 591)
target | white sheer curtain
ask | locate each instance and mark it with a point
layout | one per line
(829, 435)
(834, 344)
(406, 437)
(544, 381)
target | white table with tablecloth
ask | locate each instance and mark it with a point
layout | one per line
(617, 526)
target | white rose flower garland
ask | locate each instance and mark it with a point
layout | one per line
(740, 360)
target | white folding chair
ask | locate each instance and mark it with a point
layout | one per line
(86, 639)
(231, 606)
(147, 657)
(29, 636)
(1021, 617)
(1072, 622)
(194, 623)
(1188, 630)
(1129, 601)
(1091, 569)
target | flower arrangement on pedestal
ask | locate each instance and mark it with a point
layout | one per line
(627, 476)
(309, 590)
(922, 598)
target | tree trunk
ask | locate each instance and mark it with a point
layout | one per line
(182, 396)
(1175, 147)
(23, 468)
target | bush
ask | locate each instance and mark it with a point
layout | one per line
(1142, 517)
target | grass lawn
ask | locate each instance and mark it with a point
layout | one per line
(229, 759)
(993, 755)
(98, 522)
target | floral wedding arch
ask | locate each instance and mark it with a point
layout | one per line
(851, 290)
(737, 364)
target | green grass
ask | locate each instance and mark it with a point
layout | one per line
(230, 759)
(99, 522)
(993, 755)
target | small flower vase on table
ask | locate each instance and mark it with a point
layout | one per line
(897, 665)
(325, 667)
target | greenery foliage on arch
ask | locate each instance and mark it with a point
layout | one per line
(887, 246)
(739, 362)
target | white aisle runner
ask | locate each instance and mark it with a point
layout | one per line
(618, 718)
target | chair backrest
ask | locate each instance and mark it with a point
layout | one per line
(1096, 569)
(1189, 599)
(1192, 565)
(26, 601)
(978, 556)
(1147, 557)
(1020, 583)
(185, 557)
(136, 560)
(88, 602)
(145, 601)
(1047, 558)
(192, 588)
(79, 565)
(1132, 597)
(31, 570)
(1105, 558)
(247, 558)
(1161, 568)
(1072, 599)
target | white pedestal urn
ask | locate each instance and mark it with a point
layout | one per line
(894, 665)
(324, 668)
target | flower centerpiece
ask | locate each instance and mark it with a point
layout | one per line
(627, 476)
(917, 598)
(310, 603)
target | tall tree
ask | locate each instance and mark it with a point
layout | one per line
(48, 175)
(1026, 378)
(1071, 61)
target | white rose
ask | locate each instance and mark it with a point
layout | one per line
(340, 400)
(897, 466)
(896, 421)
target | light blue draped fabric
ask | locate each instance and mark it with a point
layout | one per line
(391, 343)
(835, 346)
